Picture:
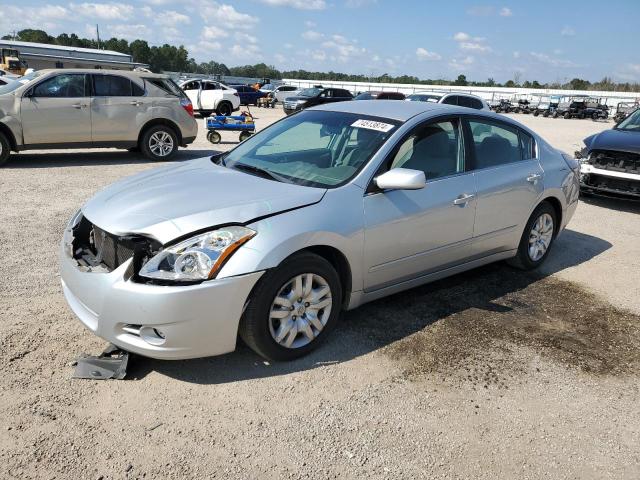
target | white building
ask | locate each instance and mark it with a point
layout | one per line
(40, 56)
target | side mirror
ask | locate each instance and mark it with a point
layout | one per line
(401, 179)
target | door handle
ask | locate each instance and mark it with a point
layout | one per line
(534, 177)
(79, 105)
(464, 199)
(136, 103)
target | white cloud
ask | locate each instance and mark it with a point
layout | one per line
(288, 46)
(469, 43)
(221, 14)
(245, 37)
(319, 55)
(299, 4)
(424, 54)
(475, 47)
(212, 32)
(343, 49)
(553, 61)
(461, 64)
(278, 57)
(103, 11)
(309, 24)
(516, 54)
(567, 31)
(312, 35)
(506, 12)
(245, 51)
(128, 32)
(462, 37)
(171, 19)
(359, 3)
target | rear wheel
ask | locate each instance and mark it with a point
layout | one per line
(293, 308)
(535, 113)
(214, 137)
(224, 109)
(537, 238)
(5, 149)
(567, 116)
(159, 143)
(244, 136)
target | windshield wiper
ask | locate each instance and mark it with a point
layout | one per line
(261, 172)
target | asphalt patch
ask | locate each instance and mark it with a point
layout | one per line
(476, 326)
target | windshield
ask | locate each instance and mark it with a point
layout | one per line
(19, 82)
(632, 122)
(421, 97)
(310, 92)
(313, 148)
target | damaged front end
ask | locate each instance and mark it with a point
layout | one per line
(610, 173)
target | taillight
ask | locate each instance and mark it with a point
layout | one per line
(187, 105)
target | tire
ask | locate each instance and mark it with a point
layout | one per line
(259, 330)
(567, 116)
(159, 143)
(224, 109)
(535, 113)
(205, 113)
(214, 137)
(555, 114)
(244, 136)
(581, 116)
(595, 116)
(524, 259)
(5, 149)
(545, 114)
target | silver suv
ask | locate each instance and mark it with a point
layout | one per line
(95, 109)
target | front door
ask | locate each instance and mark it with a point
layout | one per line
(509, 180)
(57, 110)
(409, 233)
(118, 109)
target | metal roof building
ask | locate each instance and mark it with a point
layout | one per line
(40, 56)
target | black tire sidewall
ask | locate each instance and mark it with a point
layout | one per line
(254, 326)
(224, 109)
(144, 144)
(6, 149)
(523, 248)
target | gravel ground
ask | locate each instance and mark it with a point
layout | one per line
(491, 374)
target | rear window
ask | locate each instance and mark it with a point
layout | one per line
(469, 102)
(112, 86)
(167, 85)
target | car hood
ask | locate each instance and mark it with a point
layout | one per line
(621, 140)
(170, 202)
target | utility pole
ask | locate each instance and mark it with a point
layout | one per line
(98, 34)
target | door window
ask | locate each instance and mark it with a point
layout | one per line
(112, 86)
(435, 148)
(210, 86)
(495, 144)
(191, 86)
(61, 86)
(451, 100)
(469, 102)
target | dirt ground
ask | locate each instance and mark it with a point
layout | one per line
(490, 374)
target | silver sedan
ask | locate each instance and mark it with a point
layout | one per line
(319, 213)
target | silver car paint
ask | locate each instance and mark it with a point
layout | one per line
(384, 238)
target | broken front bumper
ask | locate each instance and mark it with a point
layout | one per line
(608, 182)
(164, 322)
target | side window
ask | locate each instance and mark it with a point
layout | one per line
(495, 144)
(326, 94)
(435, 148)
(475, 103)
(527, 145)
(288, 89)
(210, 86)
(191, 86)
(61, 86)
(451, 100)
(469, 102)
(137, 90)
(111, 86)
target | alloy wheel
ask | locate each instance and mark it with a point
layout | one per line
(300, 310)
(161, 144)
(540, 237)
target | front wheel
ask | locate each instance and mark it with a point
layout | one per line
(214, 137)
(159, 143)
(224, 109)
(293, 308)
(537, 238)
(5, 149)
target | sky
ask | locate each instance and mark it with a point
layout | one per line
(523, 40)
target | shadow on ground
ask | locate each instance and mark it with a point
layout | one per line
(92, 158)
(619, 204)
(447, 324)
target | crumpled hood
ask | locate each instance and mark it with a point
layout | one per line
(173, 201)
(620, 140)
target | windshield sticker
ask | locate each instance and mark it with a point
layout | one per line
(371, 125)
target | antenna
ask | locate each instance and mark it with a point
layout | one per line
(98, 34)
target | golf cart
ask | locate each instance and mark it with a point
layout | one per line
(546, 105)
(501, 104)
(521, 104)
(624, 109)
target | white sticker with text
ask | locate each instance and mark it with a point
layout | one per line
(372, 125)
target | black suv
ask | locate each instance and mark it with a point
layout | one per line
(310, 97)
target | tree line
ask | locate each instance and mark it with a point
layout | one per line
(169, 58)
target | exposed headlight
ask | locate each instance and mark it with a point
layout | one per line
(199, 257)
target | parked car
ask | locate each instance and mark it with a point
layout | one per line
(610, 160)
(460, 99)
(310, 97)
(624, 109)
(4, 80)
(279, 92)
(380, 96)
(87, 108)
(248, 95)
(209, 96)
(323, 211)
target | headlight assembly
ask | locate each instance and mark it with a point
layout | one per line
(198, 258)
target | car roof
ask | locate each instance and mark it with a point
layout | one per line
(392, 109)
(101, 70)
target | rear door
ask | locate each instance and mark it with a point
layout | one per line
(119, 108)
(56, 110)
(192, 90)
(509, 180)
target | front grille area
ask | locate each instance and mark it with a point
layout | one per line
(626, 162)
(98, 250)
(614, 185)
(290, 105)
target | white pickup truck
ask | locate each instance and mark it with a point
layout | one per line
(210, 96)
